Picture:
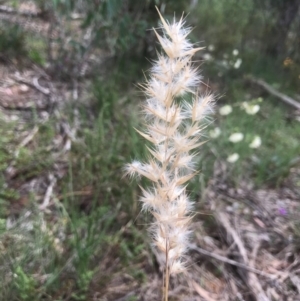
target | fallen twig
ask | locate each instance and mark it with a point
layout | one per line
(48, 193)
(273, 91)
(253, 282)
(35, 84)
(230, 261)
(26, 140)
(202, 292)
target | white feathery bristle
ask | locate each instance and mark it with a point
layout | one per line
(173, 126)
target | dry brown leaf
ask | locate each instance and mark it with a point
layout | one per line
(259, 222)
(203, 293)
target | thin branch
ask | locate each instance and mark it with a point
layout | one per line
(292, 102)
(230, 261)
(252, 282)
(35, 84)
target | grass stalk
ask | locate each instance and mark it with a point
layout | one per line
(167, 279)
(173, 126)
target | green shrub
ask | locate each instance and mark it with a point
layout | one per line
(12, 41)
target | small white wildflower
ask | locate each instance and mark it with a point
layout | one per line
(237, 64)
(256, 142)
(236, 137)
(207, 57)
(233, 158)
(225, 110)
(211, 47)
(235, 52)
(250, 108)
(215, 133)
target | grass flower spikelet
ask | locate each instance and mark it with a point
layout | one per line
(173, 127)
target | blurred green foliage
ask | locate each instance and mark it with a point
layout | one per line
(12, 41)
(250, 25)
(119, 29)
(114, 27)
(265, 33)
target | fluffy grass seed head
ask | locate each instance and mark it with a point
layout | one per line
(174, 128)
